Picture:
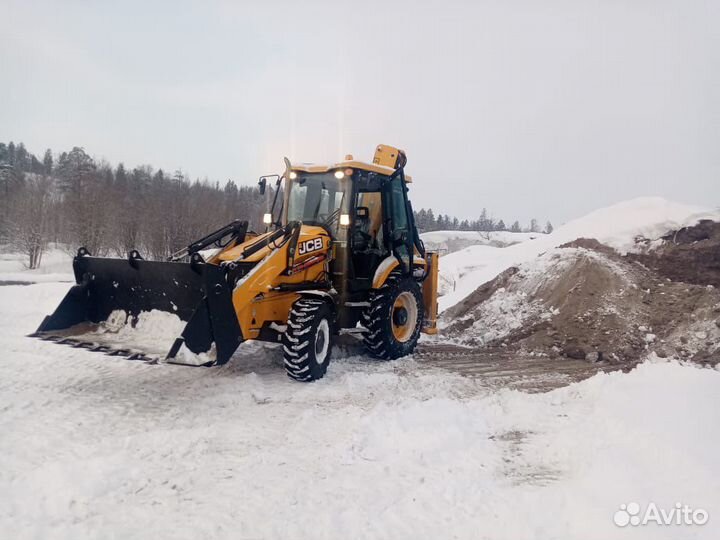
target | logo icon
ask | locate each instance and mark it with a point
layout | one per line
(628, 514)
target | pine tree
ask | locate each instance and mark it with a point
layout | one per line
(534, 225)
(431, 223)
(515, 227)
(11, 153)
(22, 159)
(421, 220)
(121, 175)
(47, 162)
(549, 228)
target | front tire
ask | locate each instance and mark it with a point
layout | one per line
(307, 342)
(394, 318)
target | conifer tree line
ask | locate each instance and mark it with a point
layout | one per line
(426, 221)
(73, 200)
(76, 201)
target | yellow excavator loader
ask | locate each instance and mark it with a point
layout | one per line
(341, 254)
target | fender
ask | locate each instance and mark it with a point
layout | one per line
(386, 267)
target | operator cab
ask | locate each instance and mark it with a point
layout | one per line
(321, 199)
(363, 207)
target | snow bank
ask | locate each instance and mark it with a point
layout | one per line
(450, 241)
(617, 226)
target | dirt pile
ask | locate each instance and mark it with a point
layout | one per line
(586, 301)
(691, 255)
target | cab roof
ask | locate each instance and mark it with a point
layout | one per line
(348, 164)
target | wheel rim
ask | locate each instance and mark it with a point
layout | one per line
(404, 316)
(322, 341)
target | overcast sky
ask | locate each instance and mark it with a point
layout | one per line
(533, 108)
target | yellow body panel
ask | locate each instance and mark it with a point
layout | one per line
(255, 297)
(386, 155)
(307, 232)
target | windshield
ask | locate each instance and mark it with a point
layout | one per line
(318, 199)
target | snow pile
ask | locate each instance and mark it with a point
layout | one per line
(509, 305)
(451, 241)
(152, 332)
(586, 302)
(186, 357)
(619, 226)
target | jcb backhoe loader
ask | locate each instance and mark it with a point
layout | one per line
(341, 254)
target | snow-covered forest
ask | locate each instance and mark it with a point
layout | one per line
(76, 200)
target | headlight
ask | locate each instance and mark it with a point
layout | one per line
(292, 175)
(339, 175)
(267, 219)
(344, 220)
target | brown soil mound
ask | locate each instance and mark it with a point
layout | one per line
(585, 301)
(691, 255)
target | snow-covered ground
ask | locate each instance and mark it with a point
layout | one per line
(95, 446)
(56, 265)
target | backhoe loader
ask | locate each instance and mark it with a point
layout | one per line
(340, 254)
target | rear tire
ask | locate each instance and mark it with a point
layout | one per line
(394, 318)
(307, 342)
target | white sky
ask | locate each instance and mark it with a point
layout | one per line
(543, 109)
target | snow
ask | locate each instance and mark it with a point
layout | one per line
(153, 331)
(508, 310)
(56, 266)
(96, 446)
(449, 241)
(617, 226)
(187, 357)
(101, 446)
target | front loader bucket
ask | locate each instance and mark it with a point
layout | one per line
(196, 292)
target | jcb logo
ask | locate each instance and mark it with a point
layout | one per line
(309, 246)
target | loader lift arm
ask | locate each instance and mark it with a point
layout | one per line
(234, 232)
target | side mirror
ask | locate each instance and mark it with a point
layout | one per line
(262, 183)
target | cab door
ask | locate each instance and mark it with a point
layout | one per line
(398, 228)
